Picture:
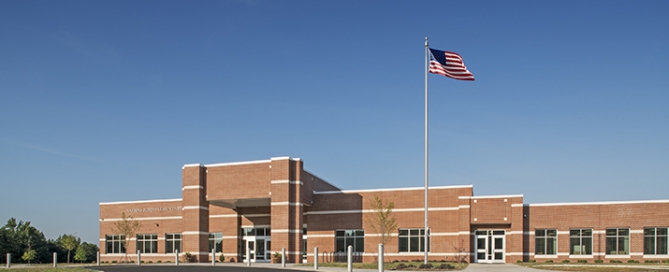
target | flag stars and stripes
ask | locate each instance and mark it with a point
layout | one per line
(448, 64)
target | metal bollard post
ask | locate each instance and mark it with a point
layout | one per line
(55, 259)
(315, 258)
(9, 260)
(213, 256)
(176, 257)
(139, 257)
(350, 259)
(248, 256)
(380, 257)
(98, 258)
(283, 257)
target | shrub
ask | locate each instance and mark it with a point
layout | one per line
(150, 261)
(599, 261)
(142, 261)
(159, 261)
(425, 266)
(652, 261)
(114, 262)
(221, 258)
(566, 261)
(665, 261)
(632, 261)
(411, 266)
(533, 261)
(616, 261)
(168, 261)
(445, 266)
(400, 266)
(519, 261)
(549, 261)
(582, 261)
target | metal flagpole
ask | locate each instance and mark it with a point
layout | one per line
(426, 157)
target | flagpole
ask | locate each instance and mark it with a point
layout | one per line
(425, 245)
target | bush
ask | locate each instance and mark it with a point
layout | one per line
(549, 261)
(400, 266)
(566, 261)
(426, 266)
(168, 261)
(159, 261)
(652, 261)
(582, 261)
(221, 258)
(445, 266)
(599, 261)
(114, 262)
(519, 261)
(150, 261)
(665, 261)
(632, 261)
(532, 261)
(616, 261)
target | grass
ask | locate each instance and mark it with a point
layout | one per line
(47, 269)
(391, 266)
(595, 268)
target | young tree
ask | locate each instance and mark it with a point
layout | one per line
(80, 254)
(382, 220)
(29, 255)
(69, 243)
(127, 227)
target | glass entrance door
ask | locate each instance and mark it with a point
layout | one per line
(490, 246)
(249, 249)
(258, 249)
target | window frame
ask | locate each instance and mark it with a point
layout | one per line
(353, 237)
(581, 236)
(216, 240)
(616, 238)
(545, 237)
(411, 235)
(115, 241)
(173, 241)
(150, 239)
(655, 237)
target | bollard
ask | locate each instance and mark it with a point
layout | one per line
(248, 255)
(176, 257)
(350, 259)
(380, 257)
(139, 257)
(9, 260)
(315, 258)
(55, 259)
(213, 256)
(98, 258)
(283, 257)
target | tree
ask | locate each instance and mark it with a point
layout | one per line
(127, 227)
(69, 243)
(29, 255)
(91, 251)
(80, 254)
(382, 220)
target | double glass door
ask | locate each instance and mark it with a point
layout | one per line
(490, 246)
(256, 249)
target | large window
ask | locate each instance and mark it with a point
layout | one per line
(345, 238)
(580, 242)
(545, 242)
(172, 242)
(655, 241)
(147, 243)
(216, 241)
(413, 240)
(114, 243)
(618, 241)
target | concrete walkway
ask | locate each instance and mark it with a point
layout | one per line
(498, 268)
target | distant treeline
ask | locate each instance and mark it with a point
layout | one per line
(27, 244)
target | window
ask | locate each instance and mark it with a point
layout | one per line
(655, 241)
(147, 243)
(413, 240)
(345, 238)
(580, 242)
(618, 241)
(216, 241)
(172, 243)
(114, 243)
(545, 242)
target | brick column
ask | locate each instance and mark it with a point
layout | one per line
(286, 207)
(195, 212)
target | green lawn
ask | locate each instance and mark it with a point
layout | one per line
(393, 265)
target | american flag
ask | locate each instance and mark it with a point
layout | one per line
(449, 64)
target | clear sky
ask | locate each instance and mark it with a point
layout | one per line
(105, 100)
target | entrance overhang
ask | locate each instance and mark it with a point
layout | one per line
(242, 202)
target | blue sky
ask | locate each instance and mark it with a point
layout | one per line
(106, 100)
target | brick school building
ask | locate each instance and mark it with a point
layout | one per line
(247, 211)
